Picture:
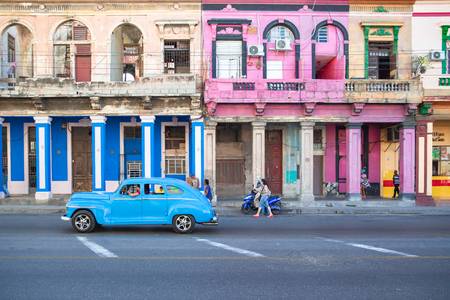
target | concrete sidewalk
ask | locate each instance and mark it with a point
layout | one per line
(28, 205)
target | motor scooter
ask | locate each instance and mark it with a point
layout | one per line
(249, 203)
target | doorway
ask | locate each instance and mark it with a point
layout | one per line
(382, 61)
(4, 155)
(274, 161)
(31, 159)
(132, 152)
(175, 150)
(81, 159)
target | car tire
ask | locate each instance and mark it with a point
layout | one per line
(183, 223)
(83, 221)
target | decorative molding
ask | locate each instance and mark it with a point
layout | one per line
(259, 108)
(357, 108)
(147, 102)
(95, 103)
(380, 9)
(195, 102)
(309, 108)
(38, 103)
(176, 27)
(211, 106)
(381, 32)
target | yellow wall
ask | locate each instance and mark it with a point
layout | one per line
(389, 162)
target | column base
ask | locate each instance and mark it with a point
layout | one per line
(423, 200)
(407, 196)
(43, 196)
(307, 198)
(353, 197)
(2, 195)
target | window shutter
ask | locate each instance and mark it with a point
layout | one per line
(80, 33)
(229, 59)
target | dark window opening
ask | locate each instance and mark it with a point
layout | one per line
(228, 133)
(132, 132)
(382, 61)
(176, 57)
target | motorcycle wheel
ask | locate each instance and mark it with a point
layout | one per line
(246, 210)
(276, 211)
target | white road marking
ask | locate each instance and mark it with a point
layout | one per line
(230, 248)
(383, 250)
(368, 247)
(97, 249)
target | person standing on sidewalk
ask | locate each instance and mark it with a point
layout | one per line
(364, 185)
(207, 190)
(264, 203)
(396, 182)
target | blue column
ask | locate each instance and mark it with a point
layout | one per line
(43, 162)
(148, 138)
(98, 152)
(2, 190)
(197, 148)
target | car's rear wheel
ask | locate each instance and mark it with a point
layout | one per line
(83, 221)
(183, 223)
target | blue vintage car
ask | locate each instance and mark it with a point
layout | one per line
(140, 201)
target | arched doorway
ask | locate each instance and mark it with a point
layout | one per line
(72, 51)
(17, 54)
(127, 46)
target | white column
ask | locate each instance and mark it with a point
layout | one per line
(210, 156)
(98, 152)
(148, 137)
(258, 150)
(198, 130)
(306, 162)
(43, 158)
(2, 191)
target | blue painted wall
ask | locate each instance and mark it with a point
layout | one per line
(17, 147)
(59, 149)
(112, 155)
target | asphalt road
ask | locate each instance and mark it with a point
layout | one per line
(295, 257)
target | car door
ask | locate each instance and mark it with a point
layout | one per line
(154, 204)
(126, 205)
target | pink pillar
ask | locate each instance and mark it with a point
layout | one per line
(353, 140)
(407, 160)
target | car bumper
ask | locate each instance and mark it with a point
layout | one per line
(213, 221)
(65, 218)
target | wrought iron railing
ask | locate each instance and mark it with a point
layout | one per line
(285, 86)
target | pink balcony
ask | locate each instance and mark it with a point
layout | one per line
(273, 91)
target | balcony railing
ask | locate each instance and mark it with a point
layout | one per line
(161, 85)
(374, 91)
(274, 91)
(285, 86)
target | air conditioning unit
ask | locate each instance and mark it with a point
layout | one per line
(256, 50)
(283, 44)
(437, 55)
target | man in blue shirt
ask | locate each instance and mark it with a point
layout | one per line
(396, 182)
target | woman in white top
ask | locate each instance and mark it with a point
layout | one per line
(265, 194)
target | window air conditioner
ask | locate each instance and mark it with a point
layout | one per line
(283, 44)
(437, 55)
(256, 50)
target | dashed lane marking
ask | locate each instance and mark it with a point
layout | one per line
(368, 247)
(96, 248)
(230, 248)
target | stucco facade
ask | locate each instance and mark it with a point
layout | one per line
(95, 92)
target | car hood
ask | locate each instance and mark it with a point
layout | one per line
(90, 196)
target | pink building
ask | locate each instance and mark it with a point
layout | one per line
(281, 106)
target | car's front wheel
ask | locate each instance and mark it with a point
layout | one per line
(183, 223)
(83, 221)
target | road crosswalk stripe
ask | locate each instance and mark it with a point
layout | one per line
(230, 248)
(96, 248)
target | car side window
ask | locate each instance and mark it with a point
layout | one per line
(132, 190)
(174, 190)
(153, 189)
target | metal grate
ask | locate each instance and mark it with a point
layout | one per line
(134, 169)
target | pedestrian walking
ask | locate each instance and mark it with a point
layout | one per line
(264, 203)
(207, 190)
(364, 185)
(396, 182)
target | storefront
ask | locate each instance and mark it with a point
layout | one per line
(441, 160)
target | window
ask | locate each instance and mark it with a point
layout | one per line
(318, 145)
(441, 161)
(280, 33)
(11, 49)
(176, 57)
(153, 189)
(322, 34)
(229, 59)
(132, 132)
(72, 48)
(448, 56)
(382, 61)
(174, 190)
(175, 149)
(134, 169)
(132, 190)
